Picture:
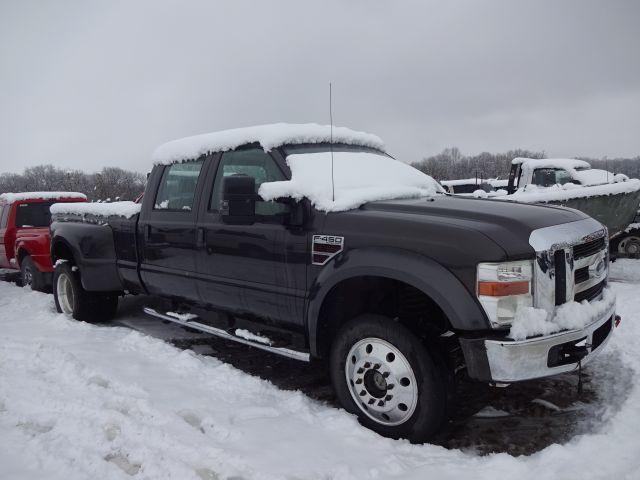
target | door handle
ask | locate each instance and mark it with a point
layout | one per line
(200, 237)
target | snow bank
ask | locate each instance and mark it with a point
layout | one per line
(268, 136)
(625, 270)
(82, 401)
(558, 193)
(16, 197)
(531, 321)
(359, 177)
(115, 209)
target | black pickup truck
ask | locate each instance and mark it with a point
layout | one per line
(396, 294)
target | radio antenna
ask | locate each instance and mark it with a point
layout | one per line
(333, 186)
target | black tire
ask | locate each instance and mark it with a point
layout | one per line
(430, 412)
(30, 276)
(72, 299)
(629, 245)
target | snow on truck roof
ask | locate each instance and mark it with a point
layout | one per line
(20, 196)
(551, 162)
(115, 209)
(268, 136)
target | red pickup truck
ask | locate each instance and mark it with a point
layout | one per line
(24, 234)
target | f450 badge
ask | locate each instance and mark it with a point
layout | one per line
(325, 247)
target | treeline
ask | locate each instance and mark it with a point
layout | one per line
(451, 164)
(108, 184)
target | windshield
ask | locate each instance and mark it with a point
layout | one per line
(356, 176)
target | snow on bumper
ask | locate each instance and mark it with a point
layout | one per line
(506, 361)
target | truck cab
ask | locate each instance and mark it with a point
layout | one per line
(24, 234)
(550, 172)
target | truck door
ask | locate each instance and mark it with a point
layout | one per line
(167, 231)
(257, 269)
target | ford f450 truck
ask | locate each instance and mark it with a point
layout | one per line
(312, 242)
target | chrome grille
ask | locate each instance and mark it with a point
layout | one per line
(588, 248)
(567, 272)
(591, 293)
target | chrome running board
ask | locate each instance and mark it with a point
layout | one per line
(285, 352)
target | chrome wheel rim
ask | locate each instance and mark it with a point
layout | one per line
(64, 290)
(630, 246)
(381, 381)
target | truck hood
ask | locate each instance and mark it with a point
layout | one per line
(508, 224)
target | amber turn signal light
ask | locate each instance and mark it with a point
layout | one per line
(502, 289)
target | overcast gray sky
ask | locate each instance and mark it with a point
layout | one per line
(86, 84)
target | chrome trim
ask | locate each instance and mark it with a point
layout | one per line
(566, 234)
(285, 352)
(549, 240)
(598, 269)
(513, 361)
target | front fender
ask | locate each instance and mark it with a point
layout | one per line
(423, 273)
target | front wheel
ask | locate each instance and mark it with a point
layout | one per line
(384, 374)
(73, 300)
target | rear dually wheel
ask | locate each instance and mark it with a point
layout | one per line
(73, 300)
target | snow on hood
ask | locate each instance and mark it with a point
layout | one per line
(268, 136)
(359, 177)
(115, 209)
(593, 176)
(17, 197)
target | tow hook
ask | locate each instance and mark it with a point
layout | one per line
(616, 321)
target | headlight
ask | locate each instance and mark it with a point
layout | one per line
(503, 288)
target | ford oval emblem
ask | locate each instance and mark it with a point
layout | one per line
(598, 269)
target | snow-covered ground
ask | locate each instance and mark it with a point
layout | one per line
(80, 401)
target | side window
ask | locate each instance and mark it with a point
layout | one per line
(178, 187)
(544, 177)
(2, 220)
(255, 163)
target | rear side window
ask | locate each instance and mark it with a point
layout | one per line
(178, 187)
(33, 215)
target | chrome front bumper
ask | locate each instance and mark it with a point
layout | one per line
(507, 361)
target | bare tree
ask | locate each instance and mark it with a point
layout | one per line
(109, 183)
(451, 164)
